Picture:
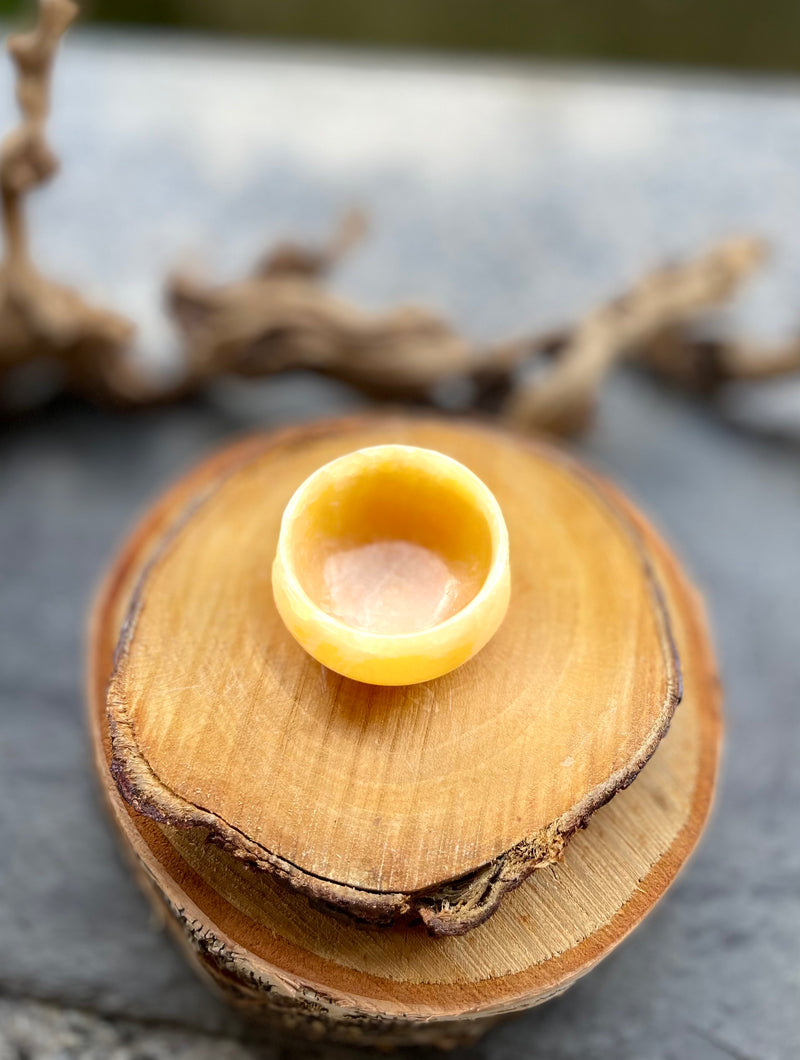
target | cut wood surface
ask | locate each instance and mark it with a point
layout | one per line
(429, 800)
(274, 954)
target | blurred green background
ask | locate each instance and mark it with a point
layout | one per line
(733, 34)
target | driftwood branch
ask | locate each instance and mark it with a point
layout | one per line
(664, 299)
(282, 317)
(39, 319)
(704, 364)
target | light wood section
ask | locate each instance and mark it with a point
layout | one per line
(375, 799)
(274, 955)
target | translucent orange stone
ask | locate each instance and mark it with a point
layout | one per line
(392, 565)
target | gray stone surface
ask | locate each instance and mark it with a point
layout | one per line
(49, 1032)
(509, 197)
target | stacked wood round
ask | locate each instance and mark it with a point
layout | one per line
(402, 865)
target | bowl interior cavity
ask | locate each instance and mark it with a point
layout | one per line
(392, 549)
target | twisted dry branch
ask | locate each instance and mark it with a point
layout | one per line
(282, 317)
(40, 319)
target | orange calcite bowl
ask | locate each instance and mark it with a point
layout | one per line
(392, 565)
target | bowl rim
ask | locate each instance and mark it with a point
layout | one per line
(371, 458)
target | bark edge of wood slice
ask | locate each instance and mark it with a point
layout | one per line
(216, 714)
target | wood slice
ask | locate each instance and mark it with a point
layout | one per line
(274, 955)
(426, 801)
